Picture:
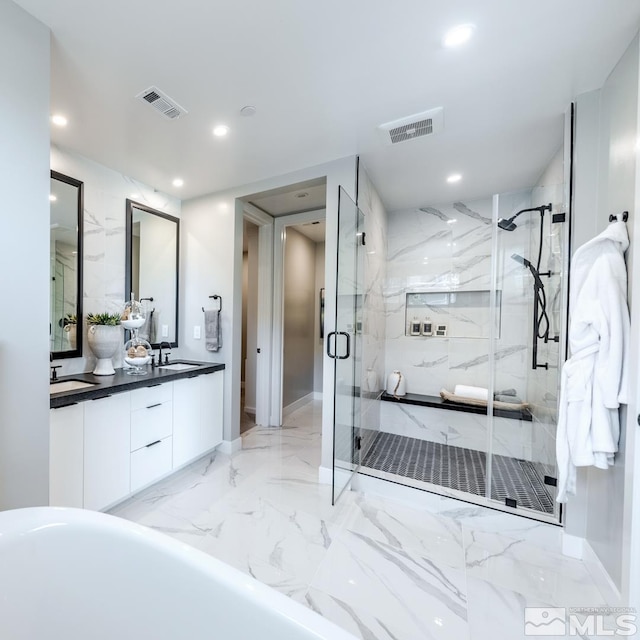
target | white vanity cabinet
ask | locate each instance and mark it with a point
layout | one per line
(197, 416)
(211, 402)
(104, 450)
(107, 457)
(66, 452)
(151, 434)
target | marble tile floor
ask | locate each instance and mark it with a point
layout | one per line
(379, 567)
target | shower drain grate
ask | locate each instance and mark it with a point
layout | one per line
(458, 468)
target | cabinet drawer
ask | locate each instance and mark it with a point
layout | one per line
(141, 398)
(149, 463)
(151, 423)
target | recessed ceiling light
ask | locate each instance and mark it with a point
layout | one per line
(52, 198)
(302, 194)
(178, 182)
(221, 130)
(59, 120)
(458, 35)
(135, 196)
(248, 111)
(454, 177)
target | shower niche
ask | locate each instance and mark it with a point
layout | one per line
(452, 314)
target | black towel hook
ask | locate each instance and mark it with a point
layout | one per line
(614, 218)
(215, 297)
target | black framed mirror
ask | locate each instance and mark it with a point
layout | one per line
(152, 258)
(66, 197)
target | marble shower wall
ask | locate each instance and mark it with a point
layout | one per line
(105, 193)
(448, 248)
(373, 307)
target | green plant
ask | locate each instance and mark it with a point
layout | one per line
(70, 318)
(109, 319)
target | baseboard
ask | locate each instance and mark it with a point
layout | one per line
(230, 446)
(572, 546)
(601, 577)
(325, 475)
(298, 404)
(343, 478)
(318, 395)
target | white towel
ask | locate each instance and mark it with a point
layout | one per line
(212, 330)
(477, 393)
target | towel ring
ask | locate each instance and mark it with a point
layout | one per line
(215, 297)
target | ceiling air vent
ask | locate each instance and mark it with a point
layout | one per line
(162, 102)
(416, 126)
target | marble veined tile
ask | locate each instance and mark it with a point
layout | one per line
(523, 567)
(261, 530)
(496, 613)
(414, 596)
(432, 536)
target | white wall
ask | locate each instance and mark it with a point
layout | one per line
(105, 195)
(24, 242)
(318, 356)
(298, 344)
(211, 236)
(606, 182)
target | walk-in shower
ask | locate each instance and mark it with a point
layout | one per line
(487, 285)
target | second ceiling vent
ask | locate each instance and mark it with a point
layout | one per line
(162, 103)
(416, 126)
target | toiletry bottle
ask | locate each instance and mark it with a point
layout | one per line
(414, 327)
(427, 327)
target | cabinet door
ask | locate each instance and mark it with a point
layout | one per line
(186, 421)
(107, 455)
(66, 455)
(211, 403)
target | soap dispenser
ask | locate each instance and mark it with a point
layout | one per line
(415, 326)
(427, 327)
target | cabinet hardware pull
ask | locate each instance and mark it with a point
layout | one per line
(157, 404)
(153, 443)
(65, 405)
(102, 397)
(150, 386)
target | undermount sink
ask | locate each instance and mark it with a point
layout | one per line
(69, 385)
(179, 366)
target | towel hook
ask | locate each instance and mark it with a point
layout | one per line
(614, 218)
(215, 297)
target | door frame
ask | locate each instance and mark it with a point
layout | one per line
(280, 226)
(265, 224)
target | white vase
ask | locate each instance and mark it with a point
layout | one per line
(104, 341)
(372, 380)
(396, 385)
(71, 331)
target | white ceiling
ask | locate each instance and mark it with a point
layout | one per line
(323, 75)
(315, 231)
(297, 198)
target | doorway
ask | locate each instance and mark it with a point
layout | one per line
(282, 338)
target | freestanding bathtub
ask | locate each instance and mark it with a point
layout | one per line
(69, 574)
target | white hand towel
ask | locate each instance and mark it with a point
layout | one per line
(477, 393)
(212, 330)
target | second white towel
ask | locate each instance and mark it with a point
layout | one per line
(477, 393)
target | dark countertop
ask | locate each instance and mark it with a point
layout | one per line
(121, 381)
(439, 403)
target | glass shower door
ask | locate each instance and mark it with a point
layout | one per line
(343, 344)
(530, 254)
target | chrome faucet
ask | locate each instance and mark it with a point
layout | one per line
(166, 345)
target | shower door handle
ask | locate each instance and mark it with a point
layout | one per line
(336, 334)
